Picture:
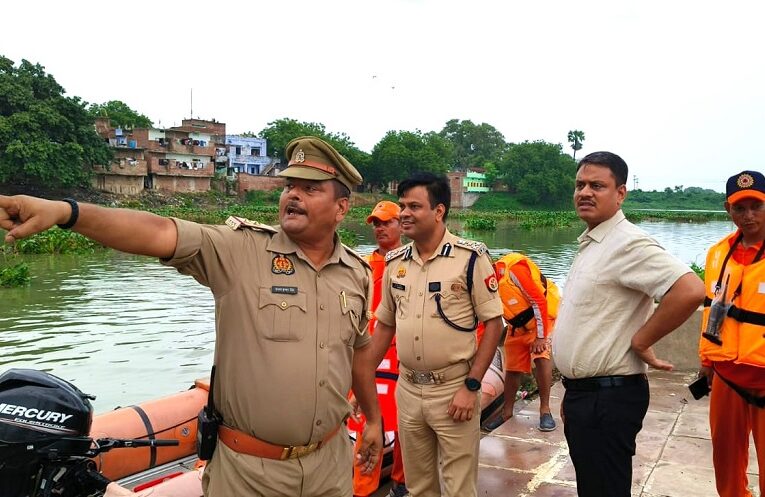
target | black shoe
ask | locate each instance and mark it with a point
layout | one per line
(495, 423)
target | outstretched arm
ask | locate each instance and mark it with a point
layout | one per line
(126, 230)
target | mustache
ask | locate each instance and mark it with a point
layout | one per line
(294, 208)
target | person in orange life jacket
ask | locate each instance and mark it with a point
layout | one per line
(733, 354)
(387, 231)
(526, 298)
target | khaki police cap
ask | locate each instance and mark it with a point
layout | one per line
(313, 158)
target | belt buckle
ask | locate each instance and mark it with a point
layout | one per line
(297, 451)
(423, 377)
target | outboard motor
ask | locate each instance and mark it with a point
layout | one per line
(43, 419)
(45, 447)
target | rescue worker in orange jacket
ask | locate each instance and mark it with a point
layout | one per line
(732, 346)
(387, 231)
(530, 303)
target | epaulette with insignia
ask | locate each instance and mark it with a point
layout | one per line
(405, 249)
(237, 223)
(478, 247)
(356, 255)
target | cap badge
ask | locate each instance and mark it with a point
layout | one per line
(401, 272)
(282, 265)
(745, 181)
(300, 156)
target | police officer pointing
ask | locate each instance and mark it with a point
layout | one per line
(434, 292)
(291, 323)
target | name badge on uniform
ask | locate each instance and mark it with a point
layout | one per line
(285, 290)
(398, 286)
(434, 286)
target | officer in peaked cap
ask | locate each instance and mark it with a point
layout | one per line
(291, 315)
(315, 159)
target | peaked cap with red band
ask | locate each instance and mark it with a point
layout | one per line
(315, 159)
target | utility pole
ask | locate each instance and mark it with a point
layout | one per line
(634, 182)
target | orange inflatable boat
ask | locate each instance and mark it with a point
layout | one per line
(175, 471)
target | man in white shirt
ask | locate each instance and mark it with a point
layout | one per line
(606, 327)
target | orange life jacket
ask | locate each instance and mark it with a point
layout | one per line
(387, 371)
(743, 330)
(516, 308)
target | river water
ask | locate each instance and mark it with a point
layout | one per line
(127, 329)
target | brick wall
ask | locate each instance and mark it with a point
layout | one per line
(125, 185)
(247, 182)
(181, 184)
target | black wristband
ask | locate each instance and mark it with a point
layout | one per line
(74, 216)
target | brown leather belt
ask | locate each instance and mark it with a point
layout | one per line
(434, 377)
(247, 444)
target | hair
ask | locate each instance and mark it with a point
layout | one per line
(341, 191)
(613, 162)
(436, 185)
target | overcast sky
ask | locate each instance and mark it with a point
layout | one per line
(677, 88)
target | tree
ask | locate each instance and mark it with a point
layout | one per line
(45, 137)
(576, 139)
(280, 132)
(400, 153)
(474, 145)
(120, 115)
(538, 172)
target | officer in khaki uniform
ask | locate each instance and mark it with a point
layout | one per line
(291, 324)
(435, 291)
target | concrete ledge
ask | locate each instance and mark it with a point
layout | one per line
(681, 347)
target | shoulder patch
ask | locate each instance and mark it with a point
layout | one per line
(393, 254)
(355, 254)
(479, 247)
(238, 223)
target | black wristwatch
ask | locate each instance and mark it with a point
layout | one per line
(472, 384)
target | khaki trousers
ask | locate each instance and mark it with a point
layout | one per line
(429, 437)
(324, 473)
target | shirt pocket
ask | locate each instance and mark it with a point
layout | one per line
(401, 300)
(580, 288)
(283, 315)
(351, 321)
(455, 300)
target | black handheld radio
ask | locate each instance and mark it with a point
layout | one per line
(208, 422)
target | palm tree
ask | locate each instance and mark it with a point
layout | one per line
(576, 138)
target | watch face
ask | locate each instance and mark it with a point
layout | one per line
(472, 384)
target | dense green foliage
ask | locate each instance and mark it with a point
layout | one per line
(52, 241)
(677, 198)
(472, 145)
(539, 173)
(120, 115)
(401, 153)
(14, 275)
(45, 137)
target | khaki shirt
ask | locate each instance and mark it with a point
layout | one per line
(617, 274)
(424, 340)
(285, 332)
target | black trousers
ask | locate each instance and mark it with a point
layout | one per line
(600, 428)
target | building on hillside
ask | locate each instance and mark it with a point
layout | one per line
(475, 182)
(176, 159)
(246, 155)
